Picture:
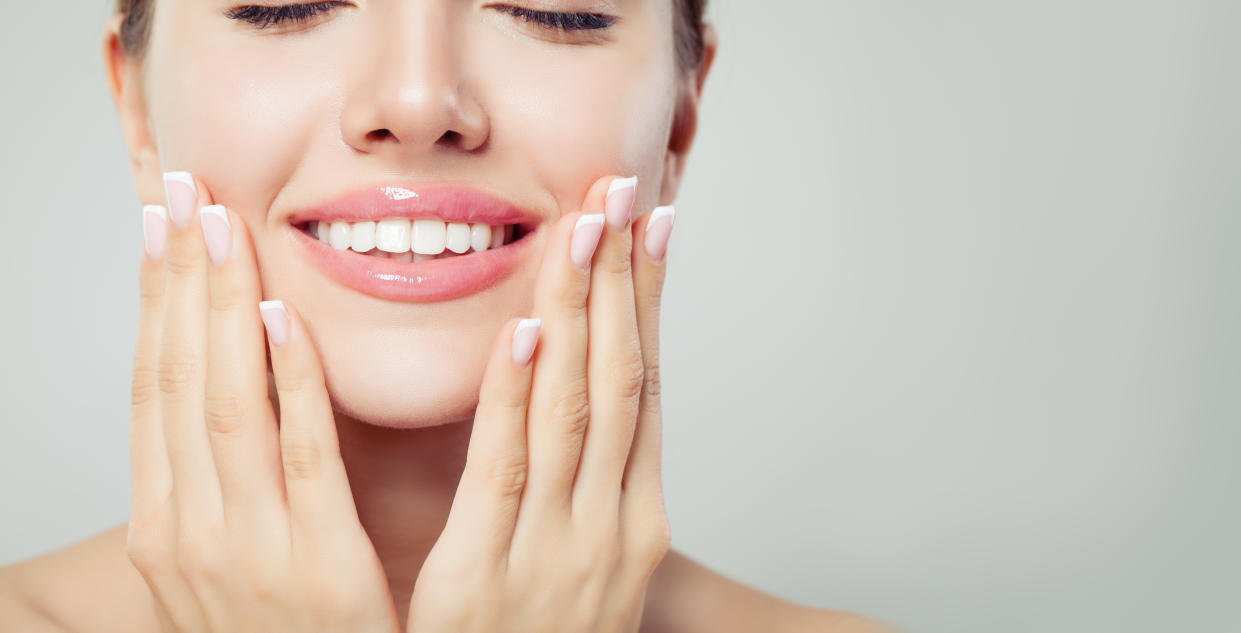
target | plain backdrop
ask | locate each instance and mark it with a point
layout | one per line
(950, 335)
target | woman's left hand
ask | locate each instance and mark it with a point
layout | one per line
(558, 521)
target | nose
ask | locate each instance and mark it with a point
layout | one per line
(406, 95)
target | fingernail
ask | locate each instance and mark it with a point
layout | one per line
(180, 193)
(586, 234)
(217, 233)
(154, 219)
(524, 339)
(658, 230)
(619, 204)
(276, 318)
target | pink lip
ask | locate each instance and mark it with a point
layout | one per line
(450, 203)
(426, 281)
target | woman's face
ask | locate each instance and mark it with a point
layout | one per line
(278, 120)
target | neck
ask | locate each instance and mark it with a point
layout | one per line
(403, 483)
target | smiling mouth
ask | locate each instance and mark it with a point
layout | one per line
(413, 240)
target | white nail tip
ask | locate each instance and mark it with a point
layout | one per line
(216, 210)
(595, 218)
(660, 212)
(156, 209)
(274, 304)
(622, 183)
(182, 177)
(526, 324)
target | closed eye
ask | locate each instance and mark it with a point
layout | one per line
(263, 16)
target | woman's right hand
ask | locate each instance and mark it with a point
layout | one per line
(235, 524)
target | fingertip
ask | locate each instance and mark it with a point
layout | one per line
(524, 339)
(276, 321)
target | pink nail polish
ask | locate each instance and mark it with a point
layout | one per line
(658, 230)
(619, 205)
(154, 231)
(217, 233)
(276, 319)
(525, 337)
(181, 195)
(585, 240)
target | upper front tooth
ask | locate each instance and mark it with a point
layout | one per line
(429, 236)
(338, 235)
(480, 237)
(393, 235)
(457, 238)
(363, 238)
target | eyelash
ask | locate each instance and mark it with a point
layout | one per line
(263, 16)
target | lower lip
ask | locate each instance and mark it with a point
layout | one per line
(426, 281)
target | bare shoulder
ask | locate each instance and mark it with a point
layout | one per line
(87, 587)
(685, 596)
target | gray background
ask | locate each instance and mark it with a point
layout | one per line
(950, 334)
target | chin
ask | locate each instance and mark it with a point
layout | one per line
(405, 378)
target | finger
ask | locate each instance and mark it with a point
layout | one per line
(151, 526)
(321, 506)
(484, 510)
(183, 356)
(614, 370)
(150, 477)
(559, 410)
(240, 423)
(642, 472)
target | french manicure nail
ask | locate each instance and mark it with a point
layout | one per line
(658, 230)
(276, 319)
(217, 232)
(585, 240)
(619, 206)
(525, 337)
(154, 221)
(181, 194)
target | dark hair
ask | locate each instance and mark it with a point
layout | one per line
(687, 27)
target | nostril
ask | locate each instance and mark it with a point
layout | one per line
(379, 135)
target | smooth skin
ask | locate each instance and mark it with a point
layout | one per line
(361, 502)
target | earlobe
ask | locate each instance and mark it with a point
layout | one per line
(685, 119)
(124, 78)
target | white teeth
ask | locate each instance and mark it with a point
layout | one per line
(338, 235)
(429, 236)
(457, 237)
(392, 235)
(427, 239)
(363, 237)
(480, 237)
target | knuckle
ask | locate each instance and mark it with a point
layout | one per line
(652, 387)
(302, 460)
(627, 376)
(143, 386)
(508, 473)
(181, 264)
(195, 558)
(225, 294)
(572, 409)
(144, 543)
(223, 414)
(654, 542)
(176, 373)
(616, 264)
(292, 382)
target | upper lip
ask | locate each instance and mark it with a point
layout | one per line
(447, 202)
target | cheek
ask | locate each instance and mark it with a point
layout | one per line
(583, 115)
(240, 126)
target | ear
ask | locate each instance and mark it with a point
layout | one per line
(685, 120)
(124, 77)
